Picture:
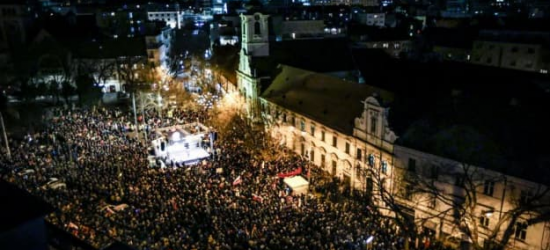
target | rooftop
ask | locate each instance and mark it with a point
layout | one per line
(325, 99)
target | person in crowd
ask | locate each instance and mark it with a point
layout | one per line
(112, 193)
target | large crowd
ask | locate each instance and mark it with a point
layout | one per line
(112, 193)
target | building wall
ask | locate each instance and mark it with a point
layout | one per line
(393, 48)
(347, 157)
(525, 57)
(492, 205)
(14, 20)
(172, 18)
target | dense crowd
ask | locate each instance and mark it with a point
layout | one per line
(112, 192)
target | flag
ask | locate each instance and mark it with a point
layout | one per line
(257, 198)
(237, 181)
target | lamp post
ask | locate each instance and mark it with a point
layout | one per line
(5, 135)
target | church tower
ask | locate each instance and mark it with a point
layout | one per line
(254, 43)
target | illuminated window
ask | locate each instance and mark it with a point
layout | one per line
(371, 160)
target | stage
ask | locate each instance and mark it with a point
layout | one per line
(182, 144)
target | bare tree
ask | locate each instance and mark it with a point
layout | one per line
(100, 70)
(230, 119)
(389, 195)
(137, 75)
(463, 192)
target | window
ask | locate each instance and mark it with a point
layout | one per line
(334, 141)
(488, 187)
(371, 160)
(312, 130)
(302, 126)
(370, 186)
(302, 149)
(293, 120)
(322, 160)
(432, 201)
(322, 135)
(347, 147)
(384, 167)
(373, 121)
(257, 29)
(359, 154)
(358, 171)
(406, 191)
(412, 165)
(484, 221)
(284, 118)
(521, 230)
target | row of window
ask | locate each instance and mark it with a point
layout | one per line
(488, 185)
(162, 15)
(515, 49)
(347, 149)
(513, 63)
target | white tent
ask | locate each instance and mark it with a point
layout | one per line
(298, 184)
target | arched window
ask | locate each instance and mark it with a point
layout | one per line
(257, 30)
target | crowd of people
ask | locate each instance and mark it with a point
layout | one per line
(111, 193)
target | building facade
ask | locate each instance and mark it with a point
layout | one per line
(501, 202)
(342, 127)
(518, 56)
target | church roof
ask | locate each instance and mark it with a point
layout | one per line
(325, 99)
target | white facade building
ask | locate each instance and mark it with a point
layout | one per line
(173, 18)
(342, 127)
